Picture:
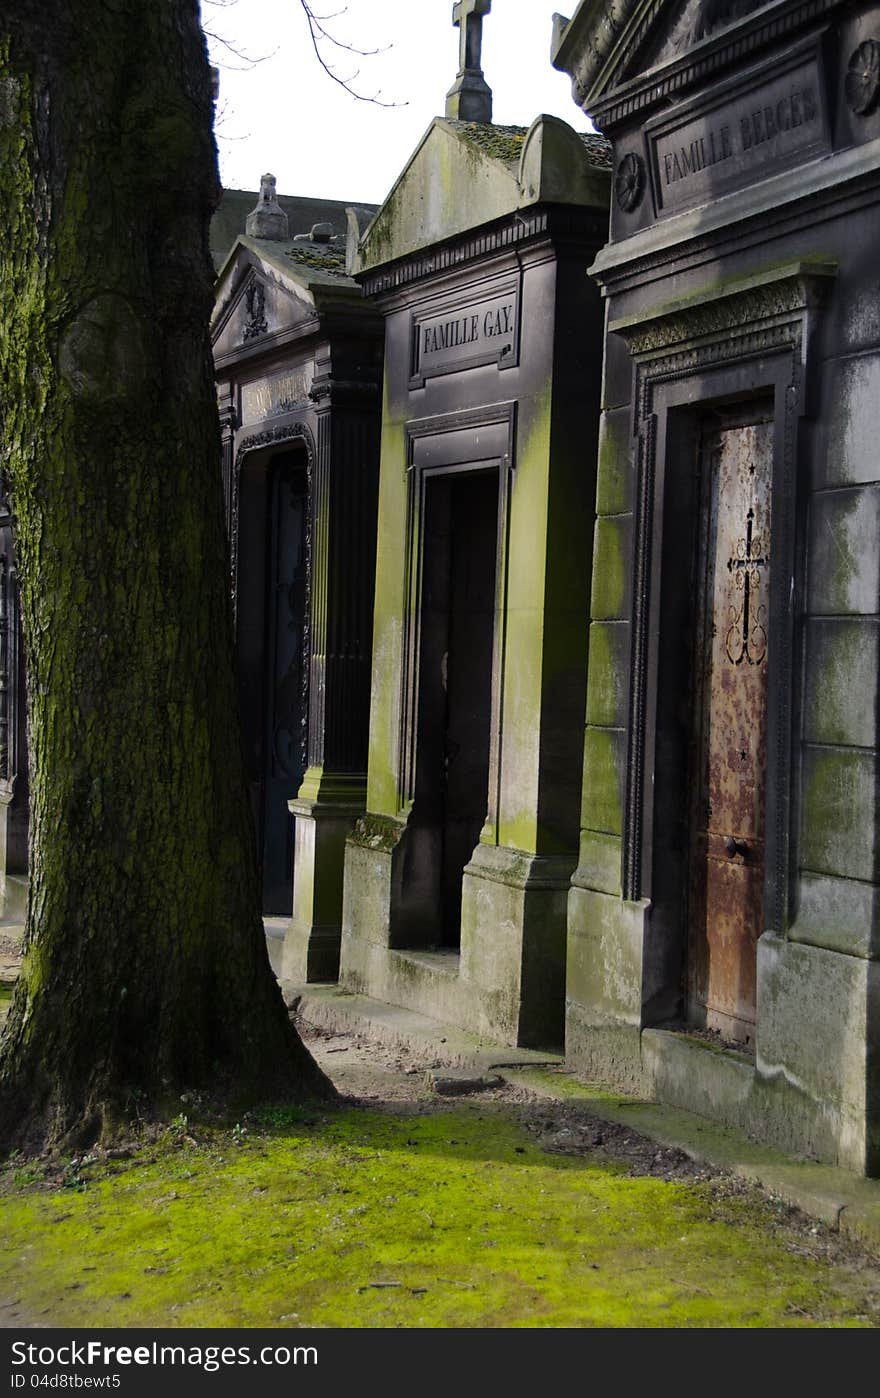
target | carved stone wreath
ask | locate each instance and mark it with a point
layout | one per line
(862, 82)
(629, 182)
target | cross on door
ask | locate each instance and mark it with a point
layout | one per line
(467, 15)
(745, 570)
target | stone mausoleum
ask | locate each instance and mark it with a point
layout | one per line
(457, 876)
(298, 360)
(726, 892)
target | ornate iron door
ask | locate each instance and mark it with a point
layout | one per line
(727, 843)
(285, 698)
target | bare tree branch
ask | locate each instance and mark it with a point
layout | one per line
(247, 63)
(319, 34)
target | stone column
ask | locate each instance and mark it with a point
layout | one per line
(333, 791)
(228, 422)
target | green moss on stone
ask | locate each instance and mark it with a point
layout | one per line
(841, 674)
(319, 262)
(376, 832)
(613, 481)
(500, 142)
(603, 780)
(606, 698)
(610, 567)
(839, 832)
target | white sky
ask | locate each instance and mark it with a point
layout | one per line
(286, 116)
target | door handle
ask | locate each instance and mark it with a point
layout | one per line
(735, 847)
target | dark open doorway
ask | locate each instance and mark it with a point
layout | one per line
(271, 655)
(455, 682)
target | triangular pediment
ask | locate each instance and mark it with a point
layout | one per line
(266, 288)
(610, 43)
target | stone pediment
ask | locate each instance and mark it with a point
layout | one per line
(608, 44)
(267, 288)
(464, 175)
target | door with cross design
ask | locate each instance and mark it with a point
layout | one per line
(730, 749)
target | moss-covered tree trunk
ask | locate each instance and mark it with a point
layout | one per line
(145, 967)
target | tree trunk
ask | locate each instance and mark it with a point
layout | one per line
(145, 968)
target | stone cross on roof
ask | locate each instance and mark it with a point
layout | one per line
(469, 98)
(468, 16)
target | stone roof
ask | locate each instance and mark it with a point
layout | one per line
(464, 175)
(302, 214)
(506, 142)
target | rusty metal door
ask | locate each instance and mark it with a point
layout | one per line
(728, 815)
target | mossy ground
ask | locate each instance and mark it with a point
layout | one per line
(414, 1218)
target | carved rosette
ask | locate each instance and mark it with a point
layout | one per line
(862, 81)
(629, 182)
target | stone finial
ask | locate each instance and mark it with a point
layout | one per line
(470, 97)
(268, 219)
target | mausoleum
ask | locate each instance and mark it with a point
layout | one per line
(298, 359)
(457, 876)
(723, 932)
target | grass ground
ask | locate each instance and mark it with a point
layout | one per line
(399, 1209)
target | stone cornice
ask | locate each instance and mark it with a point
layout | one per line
(508, 234)
(768, 209)
(594, 55)
(742, 301)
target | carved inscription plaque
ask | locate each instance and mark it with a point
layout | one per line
(739, 138)
(275, 395)
(461, 335)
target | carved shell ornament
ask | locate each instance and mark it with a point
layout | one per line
(629, 182)
(862, 83)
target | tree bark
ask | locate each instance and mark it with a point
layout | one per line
(145, 969)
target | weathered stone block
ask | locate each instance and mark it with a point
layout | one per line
(612, 551)
(616, 373)
(839, 832)
(839, 914)
(599, 862)
(858, 310)
(605, 945)
(366, 896)
(513, 943)
(608, 674)
(691, 1073)
(821, 1083)
(609, 1053)
(311, 944)
(614, 481)
(853, 422)
(844, 560)
(842, 677)
(604, 762)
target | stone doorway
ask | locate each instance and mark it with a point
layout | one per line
(729, 761)
(271, 627)
(455, 680)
